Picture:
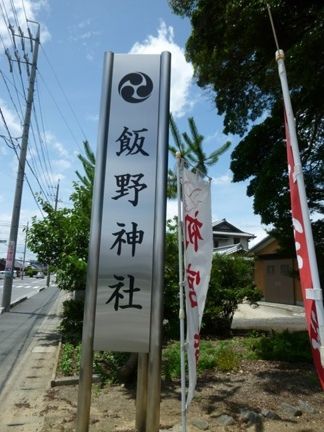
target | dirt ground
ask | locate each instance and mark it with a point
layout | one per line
(260, 396)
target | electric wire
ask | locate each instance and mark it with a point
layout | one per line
(24, 9)
(42, 135)
(5, 79)
(4, 14)
(17, 93)
(14, 12)
(15, 150)
(60, 111)
(13, 146)
(35, 170)
(31, 189)
(64, 94)
(41, 144)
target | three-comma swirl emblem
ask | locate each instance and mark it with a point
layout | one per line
(135, 87)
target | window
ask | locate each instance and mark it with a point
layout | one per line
(284, 269)
(270, 269)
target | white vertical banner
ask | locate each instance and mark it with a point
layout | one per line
(198, 251)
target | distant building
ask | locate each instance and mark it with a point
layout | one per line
(276, 273)
(229, 239)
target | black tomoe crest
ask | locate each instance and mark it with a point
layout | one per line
(135, 87)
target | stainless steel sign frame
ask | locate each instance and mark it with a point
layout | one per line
(126, 258)
(126, 250)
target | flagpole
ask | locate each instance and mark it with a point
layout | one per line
(315, 293)
(181, 301)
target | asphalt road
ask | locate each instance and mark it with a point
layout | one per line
(18, 327)
(24, 287)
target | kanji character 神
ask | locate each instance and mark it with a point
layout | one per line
(132, 237)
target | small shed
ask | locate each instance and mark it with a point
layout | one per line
(276, 273)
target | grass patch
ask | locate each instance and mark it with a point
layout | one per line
(222, 355)
(105, 364)
(285, 346)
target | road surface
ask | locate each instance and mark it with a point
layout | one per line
(18, 327)
(24, 287)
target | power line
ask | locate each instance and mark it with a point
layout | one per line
(13, 146)
(43, 126)
(24, 9)
(60, 112)
(10, 96)
(13, 8)
(29, 185)
(64, 94)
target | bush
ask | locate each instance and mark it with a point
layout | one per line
(231, 282)
(72, 321)
(69, 363)
(171, 283)
(285, 346)
(221, 355)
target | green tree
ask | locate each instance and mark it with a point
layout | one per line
(191, 147)
(232, 50)
(231, 282)
(62, 237)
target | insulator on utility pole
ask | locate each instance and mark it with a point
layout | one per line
(31, 39)
(18, 60)
(21, 38)
(27, 63)
(12, 243)
(9, 59)
(57, 194)
(12, 30)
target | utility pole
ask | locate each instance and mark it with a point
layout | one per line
(57, 194)
(24, 256)
(11, 254)
(48, 279)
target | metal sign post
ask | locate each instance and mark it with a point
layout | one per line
(128, 230)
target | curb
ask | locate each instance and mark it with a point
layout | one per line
(21, 299)
(71, 380)
(58, 350)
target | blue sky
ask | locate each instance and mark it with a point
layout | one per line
(74, 37)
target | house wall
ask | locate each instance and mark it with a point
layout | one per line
(221, 241)
(276, 277)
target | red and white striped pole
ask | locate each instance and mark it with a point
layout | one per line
(306, 257)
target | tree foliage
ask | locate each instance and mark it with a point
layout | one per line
(231, 282)
(232, 50)
(61, 239)
(191, 147)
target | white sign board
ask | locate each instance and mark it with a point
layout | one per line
(123, 308)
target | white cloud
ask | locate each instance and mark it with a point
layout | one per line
(56, 145)
(181, 70)
(223, 179)
(61, 164)
(12, 121)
